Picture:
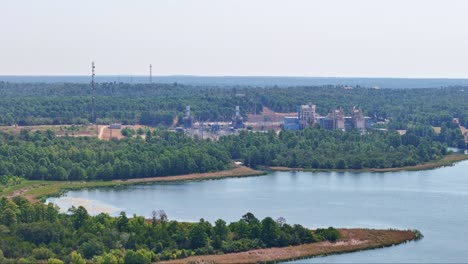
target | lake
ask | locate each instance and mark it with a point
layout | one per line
(433, 201)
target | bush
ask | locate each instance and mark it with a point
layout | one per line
(54, 261)
(140, 256)
(42, 253)
(330, 234)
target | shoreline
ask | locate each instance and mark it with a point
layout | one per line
(40, 190)
(352, 240)
(447, 160)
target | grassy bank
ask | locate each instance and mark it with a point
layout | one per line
(35, 190)
(352, 240)
(445, 161)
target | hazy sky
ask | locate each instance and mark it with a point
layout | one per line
(374, 38)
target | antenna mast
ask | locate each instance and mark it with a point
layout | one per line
(92, 92)
(151, 73)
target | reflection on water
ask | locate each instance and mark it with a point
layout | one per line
(433, 201)
(93, 207)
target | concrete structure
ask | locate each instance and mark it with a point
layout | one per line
(358, 119)
(334, 120)
(338, 116)
(115, 126)
(307, 115)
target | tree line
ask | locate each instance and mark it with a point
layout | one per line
(34, 232)
(158, 104)
(316, 148)
(42, 156)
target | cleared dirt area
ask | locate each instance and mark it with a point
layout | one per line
(352, 240)
(105, 133)
(268, 115)
(267, 119)
(464, 132)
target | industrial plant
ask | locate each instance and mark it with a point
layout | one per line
(308, 117)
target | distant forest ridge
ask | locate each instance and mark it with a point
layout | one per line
(399, 83)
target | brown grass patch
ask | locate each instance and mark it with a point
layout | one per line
(236, 171)
(353, 240)
(34, 190)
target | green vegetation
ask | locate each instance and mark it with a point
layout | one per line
(321, 149)
(158, 104)
(9, 181)
(34, 232)
(41, 156)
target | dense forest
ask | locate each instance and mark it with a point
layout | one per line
(42, 156)
(322, 149)
(36, 232)
(154, 104)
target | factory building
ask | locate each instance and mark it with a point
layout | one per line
(358, 119)
(338, 116)
(291, 123)
(237, 120)
(307, 115)
(326, 122)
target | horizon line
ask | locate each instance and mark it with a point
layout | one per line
(233, 76)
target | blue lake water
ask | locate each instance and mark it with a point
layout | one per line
(433, 201)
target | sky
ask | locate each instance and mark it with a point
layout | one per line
(326, 38)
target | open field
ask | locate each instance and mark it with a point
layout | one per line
(59, 130)
(101, 131)
(352, 240)
(105, 133)
(35, 190)
(445, 161)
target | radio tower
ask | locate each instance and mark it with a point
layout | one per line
(92, 92)
(151, 73)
